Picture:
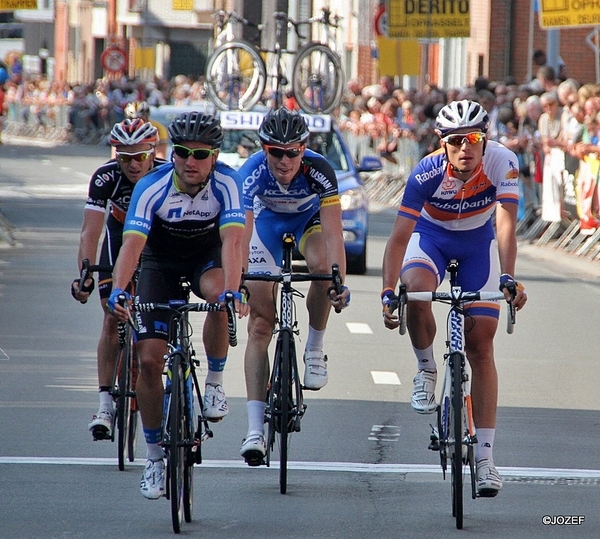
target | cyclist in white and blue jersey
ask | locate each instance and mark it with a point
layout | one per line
(186, 218)
(287, 188)
(446, 212)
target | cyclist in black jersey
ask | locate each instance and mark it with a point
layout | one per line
(110, 191)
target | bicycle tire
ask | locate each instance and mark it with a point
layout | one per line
(286, 388)
(123, 404)
(457, 426)
(188, 470)
(235, 76)
(133, 411)
(318, 79)
(176, 454)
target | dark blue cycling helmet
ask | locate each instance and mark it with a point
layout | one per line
(283, 126)
(198, 127)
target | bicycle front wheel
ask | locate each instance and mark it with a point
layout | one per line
(285, 350)
(235, 76)
(318, 79)
(126, 419)
(457, 430)
(176, 447)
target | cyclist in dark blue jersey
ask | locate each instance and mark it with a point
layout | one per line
(186, 218)
(287, 188)
(446, 212)
(110, 190)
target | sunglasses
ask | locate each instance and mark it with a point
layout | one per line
(125, 157)
(459, 140)
(199, 154)
(280, 152)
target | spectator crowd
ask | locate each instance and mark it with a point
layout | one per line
(551, 123)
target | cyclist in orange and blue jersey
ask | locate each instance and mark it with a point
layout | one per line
(447, 212)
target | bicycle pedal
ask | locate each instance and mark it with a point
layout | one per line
(254, 458)
(100, 433)
(487, 493)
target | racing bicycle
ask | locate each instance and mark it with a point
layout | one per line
(285, 405)
(454, 435)
(237, 73)
(124, 378)
(183, 431)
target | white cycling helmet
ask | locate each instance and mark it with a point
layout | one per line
(137, 109)
(130, 132)
(461, 114)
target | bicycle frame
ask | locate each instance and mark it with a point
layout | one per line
(285, 405)
(183, 432)
(455, 434)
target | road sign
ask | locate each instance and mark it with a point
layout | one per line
(381, 21)
(424, 19)
(592, 40)
(561, 13)
(114, 59)
(12, 5)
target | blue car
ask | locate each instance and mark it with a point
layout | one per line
(241, 141)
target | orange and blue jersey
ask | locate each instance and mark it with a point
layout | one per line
(434, 195)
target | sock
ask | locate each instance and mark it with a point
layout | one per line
(315, 338)
(485, 444)
(106, 400)
(215, 370)
(425, 360)
(256, 417)
(154, 452)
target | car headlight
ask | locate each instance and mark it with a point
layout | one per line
(352, 199)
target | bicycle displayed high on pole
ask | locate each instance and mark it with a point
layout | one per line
(237, 73)
(184, 431)
(285, 405)
(124, 378)
(454, 435)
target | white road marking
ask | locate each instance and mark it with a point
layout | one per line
(385, 377)
(349, 467)
(359, 327)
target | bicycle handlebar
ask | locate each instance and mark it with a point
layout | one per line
(448, 297)
(335, 277)
(181, 306)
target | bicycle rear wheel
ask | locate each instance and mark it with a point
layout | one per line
(457, 430)
(176, 449)
(235, 76)
(318, 79)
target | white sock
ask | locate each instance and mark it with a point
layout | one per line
(106, 400)
(425, 360)
(214, 378)
(256, 417)
(154, 452)
(315, 338)
(485, 444)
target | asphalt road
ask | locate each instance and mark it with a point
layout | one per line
(360, 465)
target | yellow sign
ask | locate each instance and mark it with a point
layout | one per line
(12, 5)
(428, 19)
(398, 57)
(183, 5)
(559, 13)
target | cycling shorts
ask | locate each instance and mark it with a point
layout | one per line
(266, 250)
(159, 282)
(113, 239)
(432, 247)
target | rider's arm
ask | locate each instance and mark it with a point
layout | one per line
(91, 229)
(395, 249)
(331, 224)
(246, 239)
(506, 224)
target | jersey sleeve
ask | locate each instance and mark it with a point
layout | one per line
(147, 196)
(421, 178)
(506, 167)
(101, 187)
(251, 172)
(321, 178)
(227, 186)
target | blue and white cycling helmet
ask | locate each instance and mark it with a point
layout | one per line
(460, 114)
